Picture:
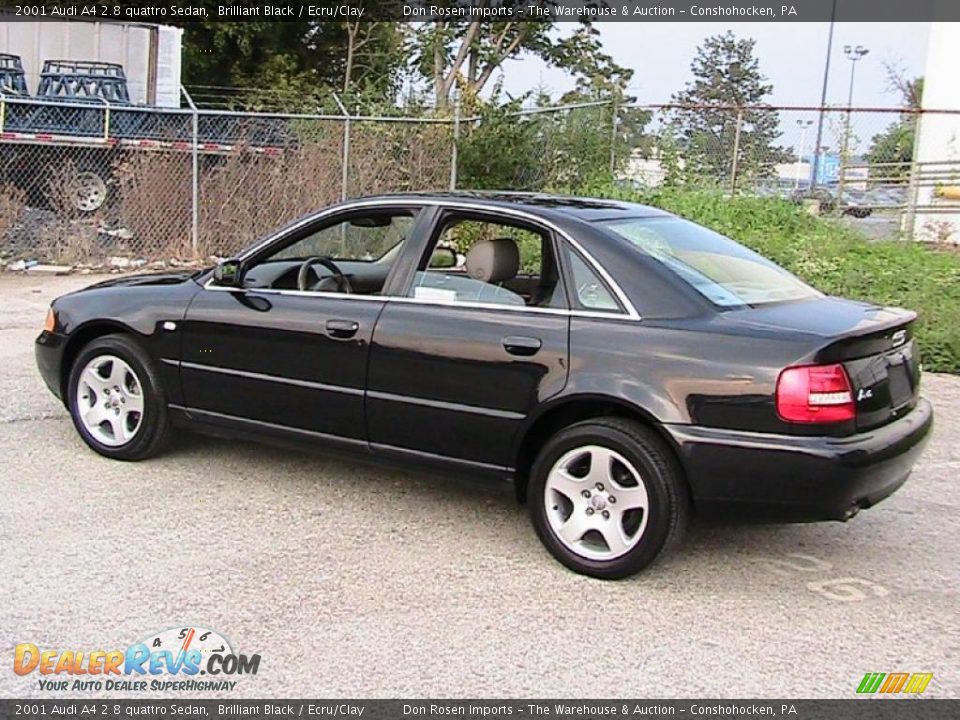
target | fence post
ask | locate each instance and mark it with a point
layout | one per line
(195, 175)
(3, 111)
(454, 151)
(345, 160)
(909, 221)
(735, 162)
(844, 160)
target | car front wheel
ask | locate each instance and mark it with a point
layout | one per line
(607, 497)
(116, 400)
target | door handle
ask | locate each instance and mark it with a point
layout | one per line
(342, 329)
(520, 345)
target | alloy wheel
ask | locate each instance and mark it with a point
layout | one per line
(110, 400)
(597, 504)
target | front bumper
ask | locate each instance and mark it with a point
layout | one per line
(49, 352)
(781, 478)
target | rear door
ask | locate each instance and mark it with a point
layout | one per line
(454, 372)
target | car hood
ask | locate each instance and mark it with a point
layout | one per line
(160, 278)
(826, 317)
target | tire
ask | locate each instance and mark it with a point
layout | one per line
(639, 468)
(114, 380)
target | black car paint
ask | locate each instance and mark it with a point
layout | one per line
(436, 383)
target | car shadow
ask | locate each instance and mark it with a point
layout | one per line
(709, 544)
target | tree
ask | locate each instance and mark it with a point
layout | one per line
(895, 143)
(726, 77)
(289, 64)
(448, 53)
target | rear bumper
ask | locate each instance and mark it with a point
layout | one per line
(779, 478)
(49, 352)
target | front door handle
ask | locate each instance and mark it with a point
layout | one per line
(342, 329)
(520, 345)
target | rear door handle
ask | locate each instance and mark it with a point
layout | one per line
(520, 345)
(342, 329)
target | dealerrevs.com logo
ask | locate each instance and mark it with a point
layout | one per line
(179, 659)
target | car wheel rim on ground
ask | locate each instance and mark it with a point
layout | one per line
(596, 502)
(91, 192)
(110, 400)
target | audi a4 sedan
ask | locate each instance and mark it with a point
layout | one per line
(624, 368)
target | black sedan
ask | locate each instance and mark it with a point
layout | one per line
(623, 367)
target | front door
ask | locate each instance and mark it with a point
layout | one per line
(288, 350)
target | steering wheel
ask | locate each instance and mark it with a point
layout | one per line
(343, 285)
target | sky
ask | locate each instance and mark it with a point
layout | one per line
(791, 55)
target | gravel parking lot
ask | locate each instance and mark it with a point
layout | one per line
(354, 581)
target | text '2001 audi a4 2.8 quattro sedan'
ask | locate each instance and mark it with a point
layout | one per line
(623, 367)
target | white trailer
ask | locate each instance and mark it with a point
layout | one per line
(149, 53)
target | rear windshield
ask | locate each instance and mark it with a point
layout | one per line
(724, 272)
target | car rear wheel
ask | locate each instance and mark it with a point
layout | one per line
(607, 497)
(116, 400)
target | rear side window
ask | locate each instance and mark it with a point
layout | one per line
(590, 292)
(724, 272)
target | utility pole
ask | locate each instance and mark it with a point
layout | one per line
(853, 54)
(823, 101)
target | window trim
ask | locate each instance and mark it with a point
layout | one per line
(428, 204)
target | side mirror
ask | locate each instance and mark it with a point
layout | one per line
(228, 273)
(443, 257)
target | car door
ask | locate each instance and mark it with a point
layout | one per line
(286, 360)
(451, 379)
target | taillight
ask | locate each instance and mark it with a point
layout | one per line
(815, 394)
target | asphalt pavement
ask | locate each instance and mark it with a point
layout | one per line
(354, 581)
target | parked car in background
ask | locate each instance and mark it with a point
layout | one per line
(852, 202)
(623, 367)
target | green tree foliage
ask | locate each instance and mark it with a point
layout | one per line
(895, 143)
(726, 75)
(446, 54)
(500, 150)
(289, 64)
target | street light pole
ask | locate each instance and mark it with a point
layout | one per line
(804, 125)
(853, 54)
(823, 101)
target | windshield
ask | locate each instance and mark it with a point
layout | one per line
(724, 272)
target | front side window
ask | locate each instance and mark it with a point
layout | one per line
(352, 255)
(723, 271)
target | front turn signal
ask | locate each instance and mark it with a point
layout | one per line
(51, 322)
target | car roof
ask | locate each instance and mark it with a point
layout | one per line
(583, 208)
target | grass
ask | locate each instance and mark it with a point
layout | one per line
(837, 260)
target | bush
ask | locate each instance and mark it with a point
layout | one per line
(835, 259)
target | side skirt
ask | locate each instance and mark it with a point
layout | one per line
(230, 427)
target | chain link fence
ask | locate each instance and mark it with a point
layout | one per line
(862, 162)
(93, 183)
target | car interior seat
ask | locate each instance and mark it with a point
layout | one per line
(493, 262)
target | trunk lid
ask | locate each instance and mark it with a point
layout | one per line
(874, 344)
